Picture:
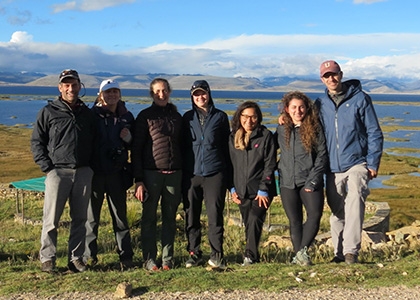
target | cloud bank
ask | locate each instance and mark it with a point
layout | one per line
(373, 56)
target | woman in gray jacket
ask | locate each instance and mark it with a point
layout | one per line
(303, 159)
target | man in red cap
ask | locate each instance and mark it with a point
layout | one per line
(354, 142)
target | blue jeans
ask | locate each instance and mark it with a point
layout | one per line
(167, 188)
(60, 185)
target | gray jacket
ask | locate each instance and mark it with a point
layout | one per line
(297, 167)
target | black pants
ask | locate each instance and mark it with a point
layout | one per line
(116, 195)
(302, 234)
(211, 189)
(253, 217)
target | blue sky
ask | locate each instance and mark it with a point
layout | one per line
(369, 38)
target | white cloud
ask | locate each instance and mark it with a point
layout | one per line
(88, 5)
(366, 56)
(21, 37)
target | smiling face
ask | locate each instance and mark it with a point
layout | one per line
(110, 97)
(332, 81)
(297, 110)
(249, 119)
(69, 89)
(201, 99)
(160, 93)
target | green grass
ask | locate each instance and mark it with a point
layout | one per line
(19, 244)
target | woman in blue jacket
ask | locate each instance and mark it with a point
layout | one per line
(303, 159)
(110, 157)
(206, 165)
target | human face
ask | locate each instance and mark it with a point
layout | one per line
(297, 110)
(69, 90)
(160, 93)
(111, 97)
(249, 119)
(201, 99)
(333, 81)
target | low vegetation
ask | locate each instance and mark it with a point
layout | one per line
(19, 244)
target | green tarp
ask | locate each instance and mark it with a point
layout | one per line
(33, 184)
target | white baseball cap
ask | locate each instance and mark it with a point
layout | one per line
(108, 84)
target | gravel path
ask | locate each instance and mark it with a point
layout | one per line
(394, 293)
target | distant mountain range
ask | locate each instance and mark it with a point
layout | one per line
(178, 82)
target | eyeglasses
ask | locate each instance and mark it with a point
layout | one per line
(252, 118)
(331, 74)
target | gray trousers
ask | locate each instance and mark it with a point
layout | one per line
(346, 196)
(60, 185)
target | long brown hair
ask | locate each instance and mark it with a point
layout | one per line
(236, 119)
(310, 127)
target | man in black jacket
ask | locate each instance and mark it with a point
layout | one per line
(62, 145)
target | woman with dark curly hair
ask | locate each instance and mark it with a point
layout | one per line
(303, 159)
(253, 155)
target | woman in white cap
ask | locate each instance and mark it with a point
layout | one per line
(110, 158)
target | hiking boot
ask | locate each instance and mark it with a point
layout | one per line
(350, 258)
(77, 265)
(194, 260)
(217, 262)
(48, 266)
(302, 257)
(126, 264)
(337, 260)
(150, 265)
(247, 262)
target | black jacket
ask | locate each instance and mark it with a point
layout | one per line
(253, 168)
(62, 137)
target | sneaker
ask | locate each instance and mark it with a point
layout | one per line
(77, 265)
(247, 262)
(150, 265)
(167, 265)
(48, 266)
(194, 260)
(350, 258)
(217, 262)
(337, 260)
(302, 257)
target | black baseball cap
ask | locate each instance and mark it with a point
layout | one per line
(68, 73)
(200, 85)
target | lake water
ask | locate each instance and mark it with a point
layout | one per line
(19, 106)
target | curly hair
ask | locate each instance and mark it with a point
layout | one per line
(236, 119)
(310, 127)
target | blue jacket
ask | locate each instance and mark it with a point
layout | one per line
(352, 130)
(206, 150)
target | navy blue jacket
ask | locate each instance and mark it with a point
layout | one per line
(206, 150)
(110, 151)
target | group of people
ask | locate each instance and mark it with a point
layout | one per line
(196, 158)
